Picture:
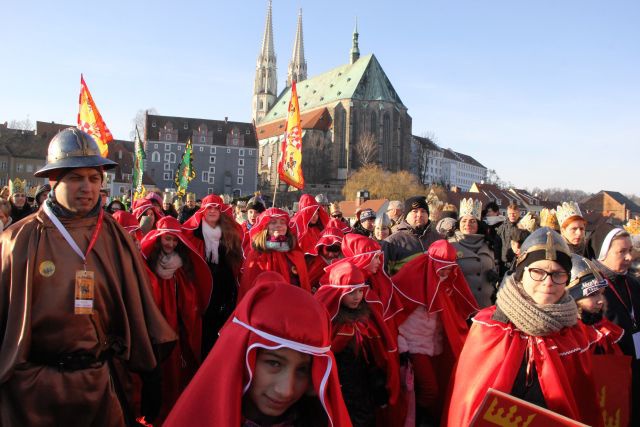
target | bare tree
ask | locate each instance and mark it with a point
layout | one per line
(138, 122)
(25, 124)
(421, 159)
(367, 149)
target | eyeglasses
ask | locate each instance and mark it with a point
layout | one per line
(557, 277)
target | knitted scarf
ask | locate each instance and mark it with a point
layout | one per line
(531, 318)
(212, 236)
(168, 264)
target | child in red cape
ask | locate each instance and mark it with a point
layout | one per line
(274, 248)
(308, 223)
(272, 365)
(362, 344)
(181, 285)
(437, 303)
(326, 251)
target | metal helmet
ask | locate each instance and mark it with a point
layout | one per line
(546, 244)
(322, 199)
(73, 148)
(383, 221)
(585, 279)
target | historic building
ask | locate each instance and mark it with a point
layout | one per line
(339, 108)
(225, 154)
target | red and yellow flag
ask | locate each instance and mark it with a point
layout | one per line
(290, 165)
(90, 120)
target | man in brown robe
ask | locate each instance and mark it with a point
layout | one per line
(64, 341)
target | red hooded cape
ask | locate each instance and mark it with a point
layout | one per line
(129, 222)
(306, 233)
(285, 263)
(418, 284)
(316, 263)
(373, 334)
(360, 251)
(493, 353)
(272, 315)
(140, 206)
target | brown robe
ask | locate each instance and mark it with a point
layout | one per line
(37, 322)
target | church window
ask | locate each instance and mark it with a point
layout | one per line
(342, 134)
(374, 123)
(155, 156)
(386, 136)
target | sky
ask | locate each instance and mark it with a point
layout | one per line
(545, 92)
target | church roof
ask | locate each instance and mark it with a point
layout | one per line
(363, 80)
(317, 119)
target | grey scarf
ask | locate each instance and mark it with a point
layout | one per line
(531, 318)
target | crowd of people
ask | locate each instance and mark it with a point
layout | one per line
(213, 314)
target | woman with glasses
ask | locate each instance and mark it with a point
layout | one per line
(530, 344)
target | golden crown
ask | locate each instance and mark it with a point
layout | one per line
(566, 211)
(470, 207)
(528, 222)
(548, 219)
(633, 226)
(191, 197)
(17, 186)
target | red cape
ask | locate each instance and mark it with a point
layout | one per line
(306, 233)
(492, 356)
(281, 262)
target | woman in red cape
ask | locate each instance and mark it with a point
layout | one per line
(218, 238)
(308, 223)
(530, 344)
(326, 251)
(147, 214)
(272, 316)
(181, 285)
(129, 223)
(363, 346)
(274, 248)
(363, 252)
(437, 303)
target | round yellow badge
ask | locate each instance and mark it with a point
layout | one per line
(47, 268)
(459, 254)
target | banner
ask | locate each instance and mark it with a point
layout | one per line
(290, 165)
(185, 172)
(90, 120)
(612, 377)
(138, 168)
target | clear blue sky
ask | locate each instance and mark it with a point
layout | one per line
(545, 92)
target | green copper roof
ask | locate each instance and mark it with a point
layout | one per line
(363, 80)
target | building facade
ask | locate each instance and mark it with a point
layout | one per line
(225, 154)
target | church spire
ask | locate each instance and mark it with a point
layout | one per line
(298, 65)
(265, 87)
(355, 51)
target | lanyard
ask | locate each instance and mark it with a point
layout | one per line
(61, 228)
(631, 310)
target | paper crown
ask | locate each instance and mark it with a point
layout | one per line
(548, 219)
(191, 197)
(32, 192)
(334, 208)
(529, 222)
(17, 186)
(470, 207)
(566, 211)
(633, 227)
(166, 198)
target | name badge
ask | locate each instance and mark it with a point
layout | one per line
(84, 295)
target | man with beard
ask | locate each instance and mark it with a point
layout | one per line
(76, 307)
(411, 237)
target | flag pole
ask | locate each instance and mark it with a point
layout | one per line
(275, 190)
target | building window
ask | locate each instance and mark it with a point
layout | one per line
(167, 166)
(240, 172)
(212, 170)
(205, 176)
(228, 150)
(240, 180)
(203, 139)
(179, 147)
(153, 124)
(241, 152)
(212, 179)
(342, 135)
(168, 137)
(155, 156)
(209, 190)
(167, 147)
(212, 160)
(167, 176)
(201, 149)
(3, 166)
(155, 146)
(240, 162)
(185, 126)
(213, 150)
(29, 168)
(248, 132)
(19, 167)
(250, 152)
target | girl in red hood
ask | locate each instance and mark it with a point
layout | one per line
(272, 366)
(181, 285)
(147, 214)
(326, 251)
(274, 248)
(308, 223)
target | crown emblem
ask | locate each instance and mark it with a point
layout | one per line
(566, 211)
(17, 186)
(548, 219)
(528, 222)
(470, 207)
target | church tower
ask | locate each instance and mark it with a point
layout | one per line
(355, 51)
(265, 88)
(298, 65)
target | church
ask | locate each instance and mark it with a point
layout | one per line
(350, 115)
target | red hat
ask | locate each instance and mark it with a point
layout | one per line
(140, 206)
(272, 315)
(307, 207)
(128, 222)
(212, 200)
(170, 225)
(338, 223)
(343, 279)
(263, 220)
(330, 236)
